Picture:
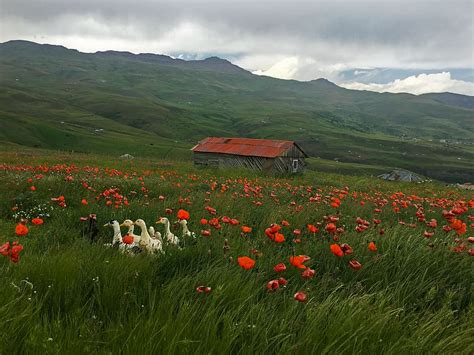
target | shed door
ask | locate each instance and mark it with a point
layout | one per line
(294, 165)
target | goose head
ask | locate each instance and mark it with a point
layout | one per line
(183, 222)
(162, 220)
(111, 223)
(140, 223)
(127, 223)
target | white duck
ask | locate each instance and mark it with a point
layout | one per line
(170, 237)
(131, 226)
(186, 231)
(117, 239)
(117, 234)
(154, 234)
(151, 245)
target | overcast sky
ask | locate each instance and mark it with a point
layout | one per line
(291, 39)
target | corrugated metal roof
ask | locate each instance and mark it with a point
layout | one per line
(266, 148)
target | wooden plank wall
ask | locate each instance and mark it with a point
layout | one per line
(232, 161)
(282, 164)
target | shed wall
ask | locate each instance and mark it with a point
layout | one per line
(283, 164)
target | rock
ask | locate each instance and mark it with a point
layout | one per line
(127, 157)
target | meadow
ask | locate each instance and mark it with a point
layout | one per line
(369, 266)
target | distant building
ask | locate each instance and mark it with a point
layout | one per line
(272, 156)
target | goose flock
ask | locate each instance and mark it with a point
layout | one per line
(149, 240)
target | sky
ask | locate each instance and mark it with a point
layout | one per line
(414, 46)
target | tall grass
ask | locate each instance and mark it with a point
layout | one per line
(67, 295)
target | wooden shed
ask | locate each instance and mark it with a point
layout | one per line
(272, 156)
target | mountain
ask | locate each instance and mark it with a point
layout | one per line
(54, 97)
(452, 99)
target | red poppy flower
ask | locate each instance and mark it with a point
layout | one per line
(21, 229)
(183, 214)
(84, 202)
(355, 264)
(245, 262)
(33, 188)
(5, 249)
(312, 228)
(279, 267)
(203, 289)
(269, 233)
(372, 247)
(300, 296)
(273, 285)
(128, 239)
(335, 202)
(279, 238)
(37, 221)
(206, 233)
(285, 223)
(203, 221)
(308, 273)
(427, 234)
(275, 228)
(331, 227)
(15, 252)
(282, 281)
(246, 229)
(346, 248)
(336, 250)
(298, 261)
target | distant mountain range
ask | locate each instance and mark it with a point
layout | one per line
(54, 97)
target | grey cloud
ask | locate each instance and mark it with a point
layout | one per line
(323, 36)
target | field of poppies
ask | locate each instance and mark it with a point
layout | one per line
(319, 263)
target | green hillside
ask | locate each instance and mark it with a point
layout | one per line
(153, 105)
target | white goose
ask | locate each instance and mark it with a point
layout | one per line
(186, 231)
(154, 234)
(117, 239)
(151, 245)
(131, 226)
(170, 237)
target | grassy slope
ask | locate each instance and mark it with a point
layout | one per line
(137, 99)
(86, 298)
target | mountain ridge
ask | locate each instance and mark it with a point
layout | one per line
(222, 62)
(182, 102)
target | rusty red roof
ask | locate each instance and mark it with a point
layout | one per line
(267, 148)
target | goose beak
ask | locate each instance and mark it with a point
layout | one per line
(105, 225)
(121, 225)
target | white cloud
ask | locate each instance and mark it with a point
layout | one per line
(293, 67)
(283, 69)
(418, 84)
